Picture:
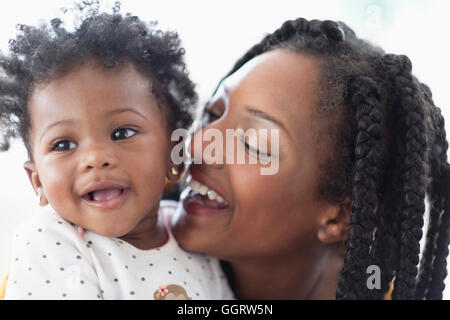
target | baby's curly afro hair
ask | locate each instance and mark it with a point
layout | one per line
(38, 54)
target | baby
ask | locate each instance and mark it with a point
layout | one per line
(95, 108)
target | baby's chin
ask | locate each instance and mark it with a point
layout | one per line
(112, 232)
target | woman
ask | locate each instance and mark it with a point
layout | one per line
(360, 146)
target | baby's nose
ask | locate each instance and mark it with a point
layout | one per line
(91, 166)
(97, 158)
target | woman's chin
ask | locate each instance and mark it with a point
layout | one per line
(197, 227)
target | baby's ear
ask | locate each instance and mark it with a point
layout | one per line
(33, 176)
(35, 181)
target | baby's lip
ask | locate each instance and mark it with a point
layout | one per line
(101, 185)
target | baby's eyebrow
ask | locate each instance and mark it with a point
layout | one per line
(116, 111)
(72, 121)
(54, 124)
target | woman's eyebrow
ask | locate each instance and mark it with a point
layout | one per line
(121, 110)
(263, 115)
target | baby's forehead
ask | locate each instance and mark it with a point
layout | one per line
(95, 83)
(123, 75)
(93, 91)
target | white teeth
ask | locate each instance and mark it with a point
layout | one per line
(212, 195)
(204, 190)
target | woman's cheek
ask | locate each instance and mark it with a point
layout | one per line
(250, 186)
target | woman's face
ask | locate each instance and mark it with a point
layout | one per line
(262, 214)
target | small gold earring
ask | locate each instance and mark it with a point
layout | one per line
(174, 171)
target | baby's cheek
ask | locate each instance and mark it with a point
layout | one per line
(57, 185)
(151, 175)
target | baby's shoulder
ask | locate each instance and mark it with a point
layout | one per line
(45, 225)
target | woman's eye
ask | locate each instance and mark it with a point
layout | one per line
(251, 149)
(63, 145)
(257, 152)
(210, 116)
(122, 133)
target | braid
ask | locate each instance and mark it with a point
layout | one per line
(385, 246)
(413, 150)
(327, 33)
(441, 194)
(437, 201)
(365, 100)
(287, 30)
(440, 263)
(382, 156)
(442, 240)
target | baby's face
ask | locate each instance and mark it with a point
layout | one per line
(100, 147)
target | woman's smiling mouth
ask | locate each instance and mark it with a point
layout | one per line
(204, 190)
(201, 199)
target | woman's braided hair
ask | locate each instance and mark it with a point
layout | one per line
(390, 152)
(41, 53)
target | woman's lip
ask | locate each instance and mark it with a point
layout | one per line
(200, 177)
(194, 207)
(109, 204)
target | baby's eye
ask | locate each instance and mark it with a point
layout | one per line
(63, 145)
(122, 133)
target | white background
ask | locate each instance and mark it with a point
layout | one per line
(216, 33)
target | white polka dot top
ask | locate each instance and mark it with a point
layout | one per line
(52, 260)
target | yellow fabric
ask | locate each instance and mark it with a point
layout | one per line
(3, 288)
(388, 295)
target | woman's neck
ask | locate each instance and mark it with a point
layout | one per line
(286, 279)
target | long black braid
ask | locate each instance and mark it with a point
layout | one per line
(389, 155)
(365, 100)
(412, 146)
(434, 263)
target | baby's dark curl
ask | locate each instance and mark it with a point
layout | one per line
(41, 53)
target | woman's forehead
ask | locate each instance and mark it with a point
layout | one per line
(280, 83)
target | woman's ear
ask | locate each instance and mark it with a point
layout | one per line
(334, 223)
(33, 176)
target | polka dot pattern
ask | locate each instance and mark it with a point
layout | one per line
(71, 265)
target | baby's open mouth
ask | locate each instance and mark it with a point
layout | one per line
(103, 195)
